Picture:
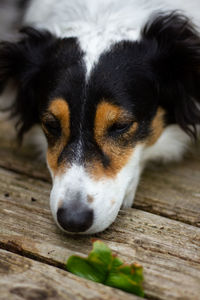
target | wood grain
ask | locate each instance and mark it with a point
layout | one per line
(167, 249)
(171, 190)
(23, 278)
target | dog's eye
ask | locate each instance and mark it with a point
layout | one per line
(119, 128)
(52, 126)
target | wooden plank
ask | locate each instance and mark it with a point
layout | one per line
(167, 249)
(172, 190)
(24, 159)
(23, 278)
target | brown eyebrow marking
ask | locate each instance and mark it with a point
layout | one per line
(157, 126)
(106, 115)
(60, 109)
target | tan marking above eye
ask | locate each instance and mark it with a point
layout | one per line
(157, 126)
(60, 109)
(106, 115)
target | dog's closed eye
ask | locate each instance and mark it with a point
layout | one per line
(51, 125)
(119, 128)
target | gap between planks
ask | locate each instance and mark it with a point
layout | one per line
(167, 249)
(171, 191)
(23, 278)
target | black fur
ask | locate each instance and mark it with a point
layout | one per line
(175, 46)
(22, 62)
(162, 69)
(35, 64)
(23, 3)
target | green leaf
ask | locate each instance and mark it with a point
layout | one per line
(82, 267)
(104, 267)
(100, 254)
(127, 278)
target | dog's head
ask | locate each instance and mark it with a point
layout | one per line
(97, 125)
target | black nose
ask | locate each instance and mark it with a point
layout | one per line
(74, 220)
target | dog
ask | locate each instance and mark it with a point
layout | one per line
(113, 84)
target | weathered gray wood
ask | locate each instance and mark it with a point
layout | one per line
(23, 278)
(22, 159)
(167, 249)
(172, 190)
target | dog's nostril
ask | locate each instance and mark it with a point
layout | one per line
(75, 221)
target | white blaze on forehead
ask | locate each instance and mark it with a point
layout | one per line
(99, 24)
(96, 24)
(108, 194)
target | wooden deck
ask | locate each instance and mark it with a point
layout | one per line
(161, 232)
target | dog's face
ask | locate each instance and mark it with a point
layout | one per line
(91, 169)
(96, 129)
(97, 125)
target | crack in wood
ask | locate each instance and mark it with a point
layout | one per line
(15, 248)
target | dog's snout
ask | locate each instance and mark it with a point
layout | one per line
(75, 220)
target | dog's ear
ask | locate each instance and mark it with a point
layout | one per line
(21, 62)
(175, 58)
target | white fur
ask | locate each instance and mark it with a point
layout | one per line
(98, 24)
(171, 145)
(108, 193)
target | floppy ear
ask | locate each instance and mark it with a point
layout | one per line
(175, 59)
(21, 62)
